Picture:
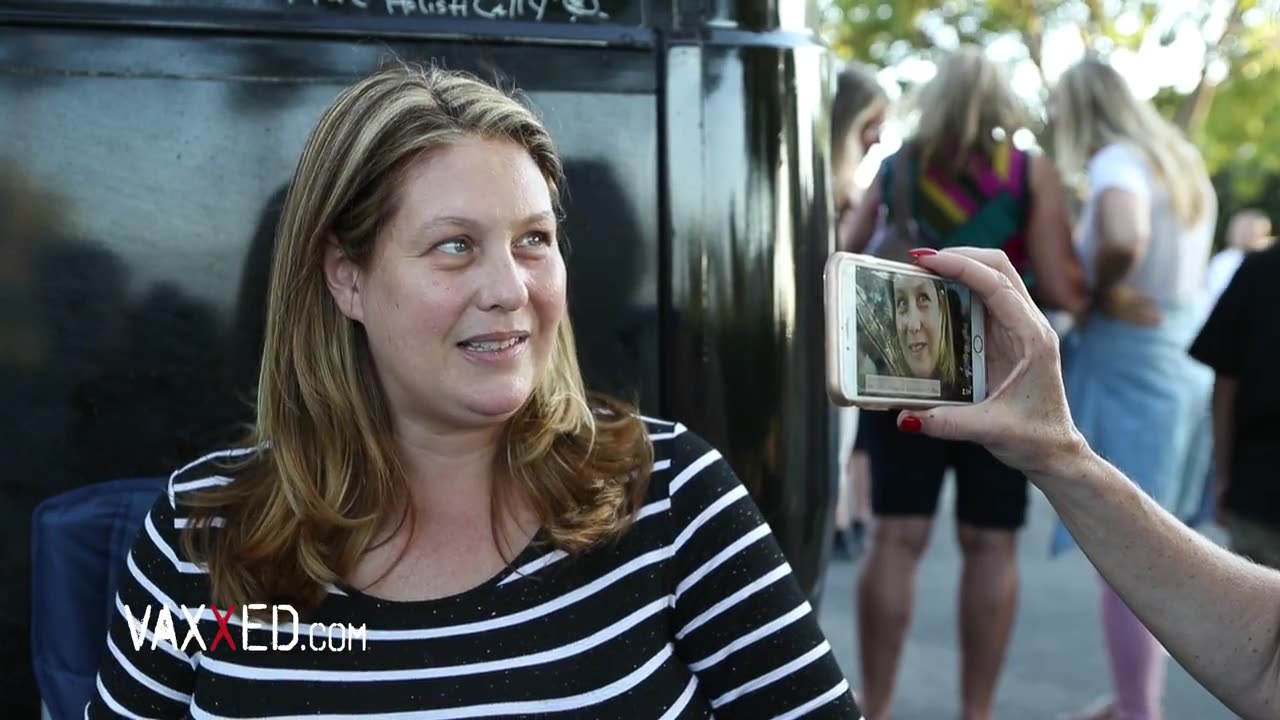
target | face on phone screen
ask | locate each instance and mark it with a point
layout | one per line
(913, 336)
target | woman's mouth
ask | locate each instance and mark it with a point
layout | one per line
(495, 346)
(490, 345)
(917, 348)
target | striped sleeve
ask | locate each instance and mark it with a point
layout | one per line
(742, 624)
(141, 676)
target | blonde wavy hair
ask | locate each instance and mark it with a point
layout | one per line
(962, 107)
(1094, 107)
(309, 502)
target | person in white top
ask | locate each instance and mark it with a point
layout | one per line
(1144, 239)
(1249, 231)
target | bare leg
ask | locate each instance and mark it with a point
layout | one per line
(886, 594)
(988, 600)
(847, 424)
(860, 468)
(1138, 663)
(843, 501)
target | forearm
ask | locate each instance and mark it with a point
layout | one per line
(1061, 291)
(1123, 226)
(1112, 265)
(1216, 613)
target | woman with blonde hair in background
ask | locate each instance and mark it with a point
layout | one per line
(427, 467)
(857, 113)
(967, 184)
(1136, 395)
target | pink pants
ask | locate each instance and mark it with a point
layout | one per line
(1138, 662)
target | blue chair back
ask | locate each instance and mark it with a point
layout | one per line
(79, 544)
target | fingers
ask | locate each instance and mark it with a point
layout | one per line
(993, 259)
(944, 423)
(1004, 304)
(992, 277)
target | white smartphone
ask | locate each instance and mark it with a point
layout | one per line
(899, 336)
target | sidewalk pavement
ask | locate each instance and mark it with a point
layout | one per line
(1056, 663)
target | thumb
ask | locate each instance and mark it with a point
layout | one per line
(944, 423)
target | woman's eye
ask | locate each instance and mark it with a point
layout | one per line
(923, 299)
(535, 239)
(454, 246)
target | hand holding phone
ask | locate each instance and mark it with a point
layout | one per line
(899, 336)
(1024, 419)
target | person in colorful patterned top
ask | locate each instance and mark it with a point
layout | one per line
(968, 185)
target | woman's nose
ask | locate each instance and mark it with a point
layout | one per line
(503, 283)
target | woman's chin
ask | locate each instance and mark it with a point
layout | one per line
(497, 406)
(923, 371)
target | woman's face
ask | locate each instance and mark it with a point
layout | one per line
(870, 133)
(919, 321)
(465, 291)
(860, 139)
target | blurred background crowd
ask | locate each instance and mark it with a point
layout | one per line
(1123, 155)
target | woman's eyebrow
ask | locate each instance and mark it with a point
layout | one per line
(544, 216)
(439, 221)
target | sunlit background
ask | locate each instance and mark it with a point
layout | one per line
(1214, 67)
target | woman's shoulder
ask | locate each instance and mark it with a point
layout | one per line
(682, 458)
(1116, 154)
(673, 442)
(1120, 166)
(159, 553)
(214, 469)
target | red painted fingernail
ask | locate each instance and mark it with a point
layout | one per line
(921, 252)
(910, 424)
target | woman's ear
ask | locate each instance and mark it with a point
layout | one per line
(343, 278)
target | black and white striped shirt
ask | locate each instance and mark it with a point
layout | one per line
(693, 613)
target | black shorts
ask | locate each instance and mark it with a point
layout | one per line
(861, 441)
(907, 471)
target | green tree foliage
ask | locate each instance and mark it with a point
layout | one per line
(1232, 111)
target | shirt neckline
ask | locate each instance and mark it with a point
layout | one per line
(537, 546)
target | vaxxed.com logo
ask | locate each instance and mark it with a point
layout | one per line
(334, 637)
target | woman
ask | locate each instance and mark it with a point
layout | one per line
(922, 315)
(967, 185)
(1146, 232)
(427, 466)
(857, 113)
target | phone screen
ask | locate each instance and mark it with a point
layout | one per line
(913, 335)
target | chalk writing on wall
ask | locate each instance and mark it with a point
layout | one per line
(529, 10)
